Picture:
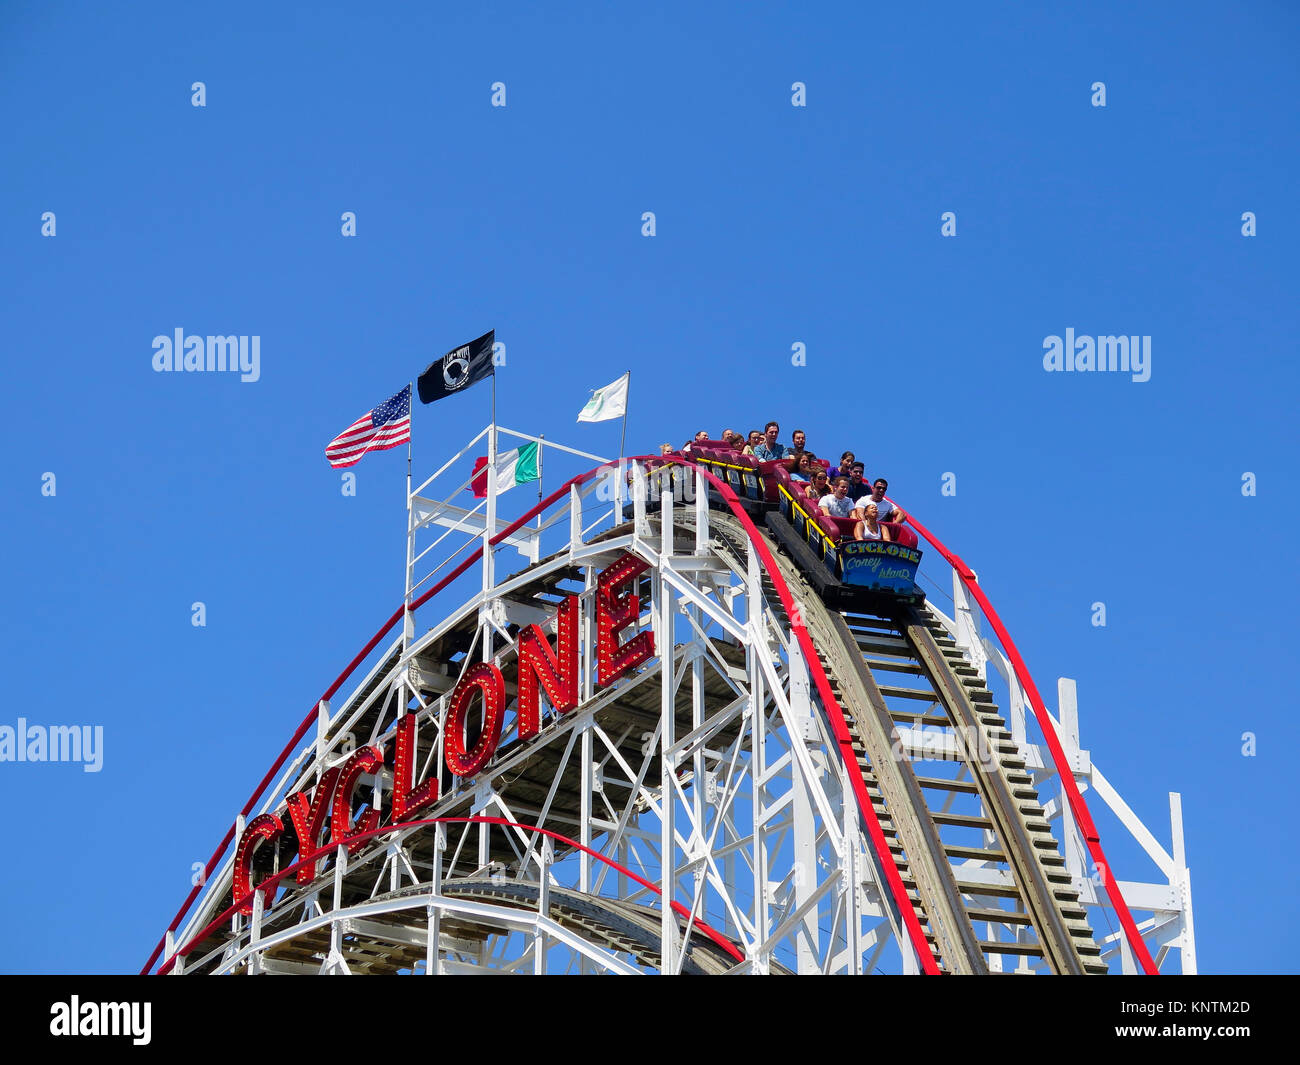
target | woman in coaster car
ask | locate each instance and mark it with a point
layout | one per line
(869, 528)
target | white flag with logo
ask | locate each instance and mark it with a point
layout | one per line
(608, 402)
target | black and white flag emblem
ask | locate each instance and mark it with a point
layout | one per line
(458, 369)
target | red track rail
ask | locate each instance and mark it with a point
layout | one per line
(835, 715)
(1075, 798)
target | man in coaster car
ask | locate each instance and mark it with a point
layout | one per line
(769, 450)
(857, 486)
(838, 504)
(885, 509)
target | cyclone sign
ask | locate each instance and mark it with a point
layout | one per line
(879, 564)
(540, 669)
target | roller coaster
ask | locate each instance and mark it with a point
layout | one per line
(699, 730)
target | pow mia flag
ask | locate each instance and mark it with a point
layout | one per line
(458, 369)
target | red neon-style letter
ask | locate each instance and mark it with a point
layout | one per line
(486, 678)
(266, 827)
(557, 670)
(309, 818)
(405, 800)
(617, 607)
(363, 760)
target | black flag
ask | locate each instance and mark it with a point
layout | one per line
(458, 369)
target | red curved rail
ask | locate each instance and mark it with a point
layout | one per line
(269, 885)
(1074, 797)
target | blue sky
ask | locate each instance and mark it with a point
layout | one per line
(775, 225)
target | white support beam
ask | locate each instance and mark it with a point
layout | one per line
(459, 519)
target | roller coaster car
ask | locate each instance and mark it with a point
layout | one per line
(844, 571)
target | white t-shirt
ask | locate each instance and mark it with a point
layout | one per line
(867, 534)
(883, 509)
(839, 508)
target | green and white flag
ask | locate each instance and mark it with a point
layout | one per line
(606, 403)
(513, 467)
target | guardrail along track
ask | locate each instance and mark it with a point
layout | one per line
(396, 941)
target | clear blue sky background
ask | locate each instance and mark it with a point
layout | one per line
(776, 225)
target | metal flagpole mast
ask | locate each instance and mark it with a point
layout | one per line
(486, 610)
(489, 526)
(408, 622)
(618, 484)
(623, 437)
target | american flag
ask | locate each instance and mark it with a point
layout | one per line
(388, 425)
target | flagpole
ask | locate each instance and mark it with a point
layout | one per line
(622, 439)
(626, 397)
(408, 623)
(489, 526)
